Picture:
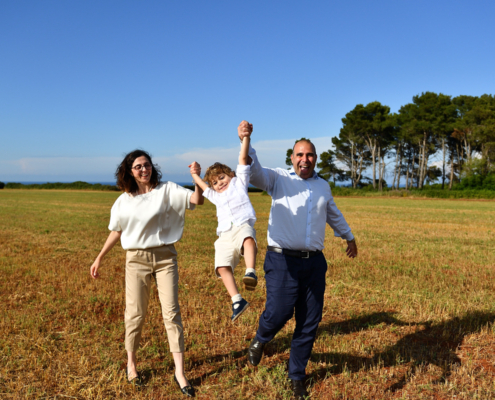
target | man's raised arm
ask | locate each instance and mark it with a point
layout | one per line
(260, 177)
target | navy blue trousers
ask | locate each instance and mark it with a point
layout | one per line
(293, 284)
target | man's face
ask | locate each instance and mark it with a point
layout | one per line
(304, 159)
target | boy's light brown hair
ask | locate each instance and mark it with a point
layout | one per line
(215, 170)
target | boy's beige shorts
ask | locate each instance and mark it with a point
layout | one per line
(141, 266)
(228, 247)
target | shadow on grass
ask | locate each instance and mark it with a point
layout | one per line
(233, 355)
(431, 344)
(282, 343)
(226, 359)
(434, 344)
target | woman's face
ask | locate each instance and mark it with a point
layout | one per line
(141, 170)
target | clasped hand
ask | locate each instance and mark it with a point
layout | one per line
(195, 168)
(244, 130)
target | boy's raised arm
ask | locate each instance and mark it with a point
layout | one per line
(244, 131)
(244, 158)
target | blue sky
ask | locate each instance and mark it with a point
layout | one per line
(84, 82)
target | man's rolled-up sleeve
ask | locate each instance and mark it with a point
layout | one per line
(263, 178)
(337, 221)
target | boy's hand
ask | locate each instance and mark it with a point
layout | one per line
(195, 168)
(244, 130)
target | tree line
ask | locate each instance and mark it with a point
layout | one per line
(461, 129)
(78, 185)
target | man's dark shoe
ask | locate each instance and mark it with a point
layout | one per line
(255, 352)
(299, 389)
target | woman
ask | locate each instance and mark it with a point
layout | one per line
(148, 218)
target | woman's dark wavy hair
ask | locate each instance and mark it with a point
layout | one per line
(125, 179)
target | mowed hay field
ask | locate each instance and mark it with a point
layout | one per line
(410, 318)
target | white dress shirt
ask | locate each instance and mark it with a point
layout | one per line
(152, 219)
(300, 208)
(233, 205)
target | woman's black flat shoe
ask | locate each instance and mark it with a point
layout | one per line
(136, 381)
(187, 390)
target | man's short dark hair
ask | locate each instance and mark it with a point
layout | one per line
(307, 141)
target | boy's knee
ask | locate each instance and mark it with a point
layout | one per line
(249, 241)
(224, 270)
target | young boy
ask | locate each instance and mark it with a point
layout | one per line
(236, 218)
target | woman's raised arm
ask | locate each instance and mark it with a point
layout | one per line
(197, 197)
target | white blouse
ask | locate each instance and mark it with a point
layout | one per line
(233, 205)
(152, 219)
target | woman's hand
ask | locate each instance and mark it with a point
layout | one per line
(94, 269)
(113, 238)
(197, 197)
(195, 168)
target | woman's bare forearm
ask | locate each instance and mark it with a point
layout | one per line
(111, 241)
(197, 197)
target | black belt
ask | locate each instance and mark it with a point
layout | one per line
(294, 253)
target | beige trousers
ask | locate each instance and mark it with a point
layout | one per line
(141, 265)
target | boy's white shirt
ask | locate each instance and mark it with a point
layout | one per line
(233, 205)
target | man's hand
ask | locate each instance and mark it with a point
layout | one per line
(351, 250)
(244, 130)
(195, 168)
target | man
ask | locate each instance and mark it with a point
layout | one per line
(294, 266)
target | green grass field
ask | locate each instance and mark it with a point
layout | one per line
(410, 318)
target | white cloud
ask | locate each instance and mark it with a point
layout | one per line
(58, 168)
(271, 153)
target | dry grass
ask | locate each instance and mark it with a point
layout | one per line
(410, 318)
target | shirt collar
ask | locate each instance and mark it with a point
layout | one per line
(293, 173)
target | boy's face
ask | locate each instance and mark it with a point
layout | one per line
(221, 182)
